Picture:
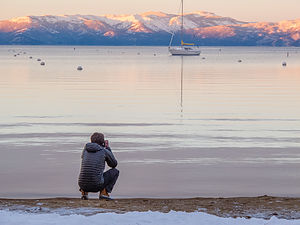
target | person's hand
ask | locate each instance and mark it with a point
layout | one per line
(106, 143)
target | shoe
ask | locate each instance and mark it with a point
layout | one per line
(104, 195)
(84, 195)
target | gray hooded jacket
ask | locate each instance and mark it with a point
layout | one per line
(93, 161)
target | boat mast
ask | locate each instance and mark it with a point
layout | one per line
(181, 30)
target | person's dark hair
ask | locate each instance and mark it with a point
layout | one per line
(98, 138)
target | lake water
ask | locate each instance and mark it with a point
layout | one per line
(179, 126)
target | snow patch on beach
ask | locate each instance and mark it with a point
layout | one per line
(179, 218)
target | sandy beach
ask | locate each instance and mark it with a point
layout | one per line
(263, 207)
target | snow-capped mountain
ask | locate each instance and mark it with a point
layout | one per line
(150, 28)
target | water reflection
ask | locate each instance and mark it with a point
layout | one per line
(181, 87)
(226, 115)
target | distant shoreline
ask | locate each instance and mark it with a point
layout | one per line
(201, 46)
(248, 207)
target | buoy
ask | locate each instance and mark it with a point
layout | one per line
(284, 64)
(38, 60)
(79, 68)
(42, 63)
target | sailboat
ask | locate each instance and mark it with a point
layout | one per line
(184, 48)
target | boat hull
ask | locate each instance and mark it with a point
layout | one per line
(184, 51)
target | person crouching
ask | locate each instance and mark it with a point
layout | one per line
(92, 177)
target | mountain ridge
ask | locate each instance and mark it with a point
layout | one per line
(148, 28)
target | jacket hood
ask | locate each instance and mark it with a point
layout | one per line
(93, 147)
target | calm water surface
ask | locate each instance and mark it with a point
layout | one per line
(180, 127)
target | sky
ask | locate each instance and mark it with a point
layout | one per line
(245, 10)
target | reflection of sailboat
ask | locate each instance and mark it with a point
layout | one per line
(185, 48)
(181, 86)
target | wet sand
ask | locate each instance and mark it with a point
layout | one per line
(258, 207)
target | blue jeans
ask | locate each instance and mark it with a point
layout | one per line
(110, 178)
